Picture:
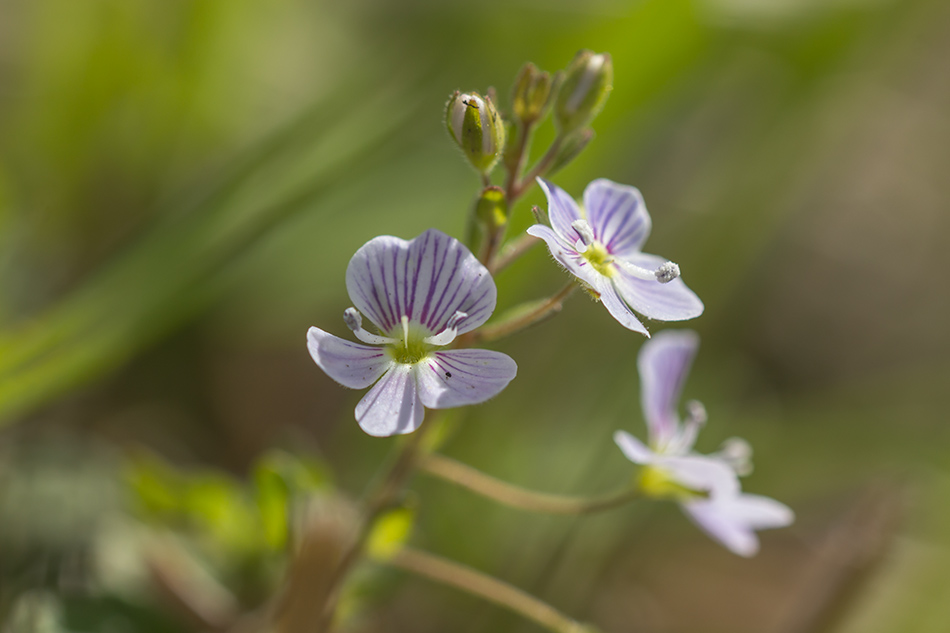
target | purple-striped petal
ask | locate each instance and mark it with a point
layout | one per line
(672, 301)
(392, 406)
(565, 254)
(562, 211)
(618, 216)
(350, 364)
(455, 378)
(427, 279)
(617, 308)
(663, 364)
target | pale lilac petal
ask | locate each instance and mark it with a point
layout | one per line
(701, 473)
(633, 449)
(392, 406)
(565, 254)
(672, 301)
(737, 537)
(617, 308)
(562, 211)
(663, 364)
(618, 216)
(427, 279)
(350, 364)
(455, 378)
(759, 512)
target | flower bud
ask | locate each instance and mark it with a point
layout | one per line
(587, 83)
(478, 129)
(531, 94)
(492, 208)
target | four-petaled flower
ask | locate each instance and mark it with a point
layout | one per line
(600, 245)
(420, 295)
(706, 486)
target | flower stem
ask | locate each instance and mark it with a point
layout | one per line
(519, 189)
(516, 165)
(478, 584)
(539, 312)
(517, 497)
(381, 496)
(512, 251)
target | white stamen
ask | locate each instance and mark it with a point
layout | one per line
(447, 335)
(695, 412)
(354, 321)
(405, 330)
(738, 454)
(667, 272)
(583, 229)
(635, 271)
(683, 441)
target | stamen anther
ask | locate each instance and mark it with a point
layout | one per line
(354, 321)
(583, 229)
(447, 335)
(667, 272)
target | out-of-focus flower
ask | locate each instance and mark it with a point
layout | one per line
(600, 245)
(706, 486)
(582, 95)
(420, 295)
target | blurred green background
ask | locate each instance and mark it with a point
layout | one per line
(182, 185)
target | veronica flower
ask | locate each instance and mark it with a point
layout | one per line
(706, 486)
(419, 295)
(600, 245)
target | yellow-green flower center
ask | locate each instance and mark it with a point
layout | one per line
(598, 257)
(410, 346)
(657, 483)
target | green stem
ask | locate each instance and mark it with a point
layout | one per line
(381, 497)
(512, 251)
(517, 497)
(484, 586)
(540, 169)
(516, 165)
(543, 310)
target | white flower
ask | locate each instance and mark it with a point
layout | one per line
(420, 295)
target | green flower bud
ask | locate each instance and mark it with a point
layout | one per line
(492, 208)
(587, 83)
(477, 127)
(531, 94)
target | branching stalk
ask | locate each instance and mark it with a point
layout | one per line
(543, 310)
(512, 251)
(491, 589)
(517, 497)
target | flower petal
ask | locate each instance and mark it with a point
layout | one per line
(702, 473)
(663, 364)
(617, 308)
(759, 512)
(427, 279)
(672, 301)
(618, 216)
(562, 211)
(633, 449)
(350, 364)
(737, 537)
(392, 406)
(565, 254)
(732, 519)
(456, 378)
